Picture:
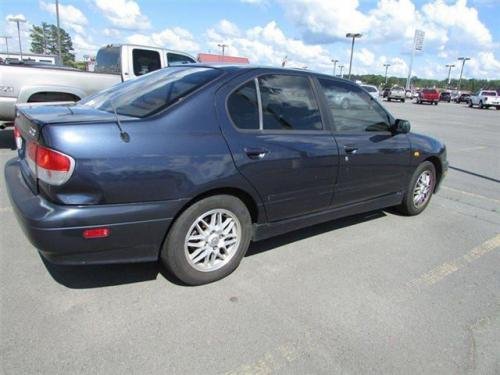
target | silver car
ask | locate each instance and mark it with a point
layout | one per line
(397, 93)
(372, 90)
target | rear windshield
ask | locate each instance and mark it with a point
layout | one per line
(108, 60)
(151, 92)
(489, 93)
(369, 88)
(429, 91)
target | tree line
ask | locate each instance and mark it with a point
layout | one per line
(44, 41)
(471, 84)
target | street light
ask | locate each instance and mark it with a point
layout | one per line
(449, 66)
(18, 19)
(341, 67)
(59, 52)
(223, 46)
(334, 65)
(353, 36)
(6, 37)
(386, 67)
(463, 59)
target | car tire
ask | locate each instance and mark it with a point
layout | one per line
(470, 104)
(402, 100)
(188, 262)
(436, 103)
(498, 107)
(481, 106)
(413, 204)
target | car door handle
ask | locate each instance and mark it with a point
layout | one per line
(256, 153)
(350, 149)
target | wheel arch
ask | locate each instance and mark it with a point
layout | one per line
(439, 169)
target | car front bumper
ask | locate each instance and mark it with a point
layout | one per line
(137, 230)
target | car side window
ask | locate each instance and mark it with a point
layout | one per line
(145, 61)
(352, 109)
(176, 59)
(243, 107)
(288, 103)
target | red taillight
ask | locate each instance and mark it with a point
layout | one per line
(18, 138)
(96, 233)
(51, 166)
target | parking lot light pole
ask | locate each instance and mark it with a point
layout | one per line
(353, 36)
(6, 37)
(449, 66)
(463, 59)
(386, 67)
(18, 20)
(334, 66)
(341, 67)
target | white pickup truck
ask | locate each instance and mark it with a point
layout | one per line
(114, 64)
(485, 99)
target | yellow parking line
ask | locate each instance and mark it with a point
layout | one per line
(440, 272)
(471, 194)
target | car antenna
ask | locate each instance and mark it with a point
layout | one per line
(123, 135)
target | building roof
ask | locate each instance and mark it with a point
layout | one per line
(219, 59)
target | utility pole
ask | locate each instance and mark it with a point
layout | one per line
(418, 41)
(59, 53)
(463, 59)
(334, 65)
(449, 66)
(6, 37)
(341, 67)
(386, 67)
(223, 47)
(18, 20)
(353, 36)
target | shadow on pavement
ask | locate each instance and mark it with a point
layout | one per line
(86, 277)
(7, 139)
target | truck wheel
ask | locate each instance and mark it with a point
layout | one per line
(208, 240)
(436, 103)
(419, 190)
(481, 106)
(402, 100)
(388, 99)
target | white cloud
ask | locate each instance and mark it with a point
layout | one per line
(173, 38)
(71, 17)
(110, 32)
(124, 14)
(83, 45)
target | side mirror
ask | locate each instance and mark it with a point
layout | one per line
(401, 126)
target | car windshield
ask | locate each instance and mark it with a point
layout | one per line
(151, 92)
(489, 93)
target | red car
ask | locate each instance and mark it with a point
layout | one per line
(428, 96)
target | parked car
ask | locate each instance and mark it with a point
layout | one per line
(445, 96)
(430, 96)
(396, 93)
(385, 92)
(462, 98)
(372, 90)
(189, 164)
(485, 99)
(28, 83)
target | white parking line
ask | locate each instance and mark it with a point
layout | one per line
(476, 148)
(440, 272)
(471, 194)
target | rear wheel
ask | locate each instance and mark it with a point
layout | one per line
(481, 106)
(402, 100)
(208, 240)
(419, 190)
(436, 103)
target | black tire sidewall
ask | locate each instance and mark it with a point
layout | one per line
(407, 206)
(173, 256)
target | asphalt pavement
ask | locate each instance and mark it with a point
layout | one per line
(376, 293)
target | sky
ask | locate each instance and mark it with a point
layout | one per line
(309, 33)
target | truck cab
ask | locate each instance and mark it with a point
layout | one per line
(132, 61)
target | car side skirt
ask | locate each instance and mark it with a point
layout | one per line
(267, 230)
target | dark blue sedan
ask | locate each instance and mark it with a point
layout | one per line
(189, 164)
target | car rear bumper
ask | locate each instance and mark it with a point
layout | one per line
(137, 230)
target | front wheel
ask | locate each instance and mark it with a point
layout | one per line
(470, 104)
(419, 190)
(481, 106)
(208, 240)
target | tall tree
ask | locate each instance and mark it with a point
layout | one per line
(44, 40)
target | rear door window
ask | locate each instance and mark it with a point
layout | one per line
(177, 58)
(145, 61)
(288, 103)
